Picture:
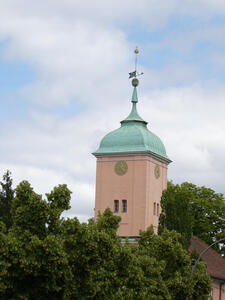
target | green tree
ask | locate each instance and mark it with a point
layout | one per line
(176, 212)
(158, 267)
(6, 197)
(103, 267)
(190, 209)
(168, 250)
(35, 265)
(44, 256)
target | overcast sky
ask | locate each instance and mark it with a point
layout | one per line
(64, 84)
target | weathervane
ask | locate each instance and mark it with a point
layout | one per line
(135, 73)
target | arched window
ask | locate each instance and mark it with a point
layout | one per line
(124, 205)
(154, 208)
(116, 206)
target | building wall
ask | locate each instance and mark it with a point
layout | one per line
(138, 186)
(218, 290)
(223, 292)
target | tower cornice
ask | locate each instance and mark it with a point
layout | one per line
(134, 153)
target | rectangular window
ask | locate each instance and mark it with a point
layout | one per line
(157, 209)
(154, 209)
(124, 203)
(116, 206)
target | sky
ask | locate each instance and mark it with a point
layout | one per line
(64, 84)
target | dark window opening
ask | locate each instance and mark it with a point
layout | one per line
(154, 209)
(157, 209)
(124, 205)
(116, 206)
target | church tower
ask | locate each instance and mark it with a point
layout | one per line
(131, 172)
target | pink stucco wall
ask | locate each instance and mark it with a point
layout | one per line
(218, 290)
(138, 186)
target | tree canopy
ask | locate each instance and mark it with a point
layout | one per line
(190, 209)
(44, 256)
(6, 197)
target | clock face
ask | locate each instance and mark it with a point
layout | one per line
(157, 172)
(121, 167)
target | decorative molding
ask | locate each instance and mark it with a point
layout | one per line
(137, 159)
(142, 153)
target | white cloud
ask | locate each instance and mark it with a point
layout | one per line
(79, 52)
(190, 121)
(44, 179)
(69, 64)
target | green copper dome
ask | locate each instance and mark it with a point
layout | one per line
(133, 137)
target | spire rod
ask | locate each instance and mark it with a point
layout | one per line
(136, 51)
(135, 72)
(134, 116)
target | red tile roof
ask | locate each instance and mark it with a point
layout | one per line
(215, 262)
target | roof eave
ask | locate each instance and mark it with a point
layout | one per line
(218, 278)
(132, 153)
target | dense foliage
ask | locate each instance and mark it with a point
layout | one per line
(44, 256)
(6, 197)
(190, 209)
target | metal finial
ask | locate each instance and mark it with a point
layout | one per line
(135, 72)
(136, 51)
(135, 82)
